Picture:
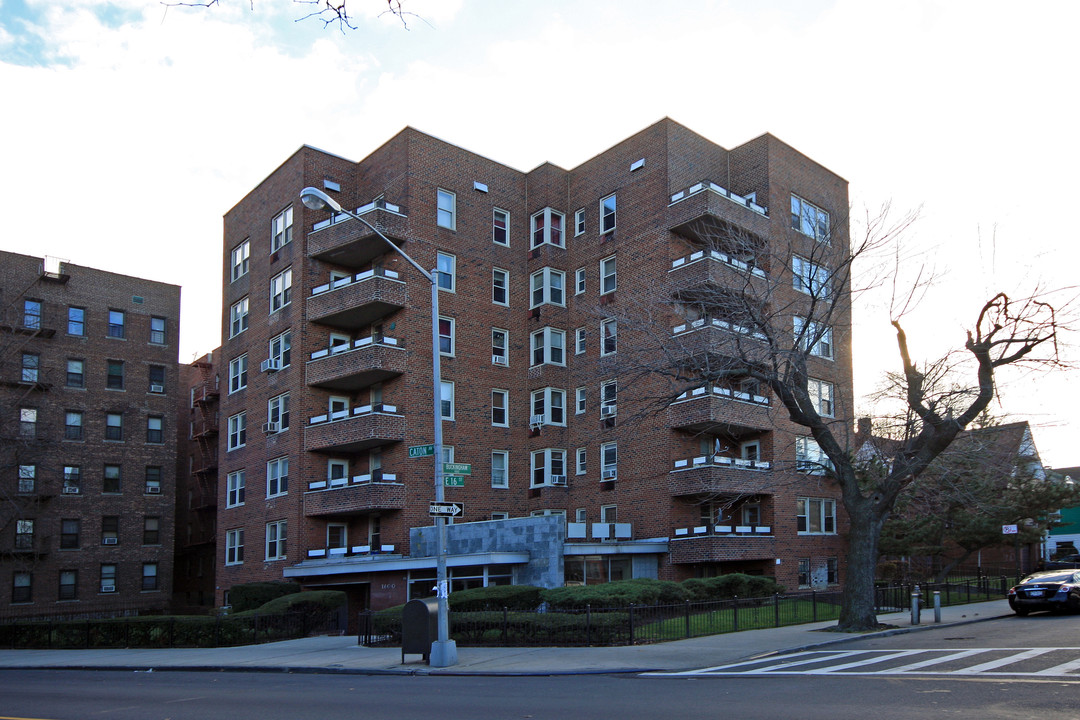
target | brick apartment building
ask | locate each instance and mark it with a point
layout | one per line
(559, 287)
(88, 390)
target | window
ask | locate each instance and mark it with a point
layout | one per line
(150, 575)
(607, 214)
(281, 350)
(446, 335)
(821, 396)
(609, 461)
(809, 457)
(110, 481)
(155, 429)
(114, 426)
(548, 347)
(446, 215)
(579, 341)
(500, 227)
(446, 400)
(277, 413)
(234, 489)
(275, 540)
(234, 547)
(498, 347)
(21, 587)
(281, 290)
(281, 230)
(547, 287)
(499, 464)
(815, 516)
(27, 478)
(337, 471)
(579, 222)
(31, 364)
(238, 317)
(238, 369)
(69, 534)
(547, 228)
(582, 455)
(446, 269)
(337, 535)
(550, 404)
(277, 477)
(24, 534)
(108, 578)
(237, 431)
(114, 374)
(811, 278)
(73, 425)
(814, 337)
(76, 321)
(499, 286)
(69, 584)
(499, 414)
(110, 530)
(157, 378)
(809, 219)
(32, 314)
(151, 534)
(240, 258)
(72, 479)
(579, 281)
(157, 330)
(609, 333)
(152, 481)
(28, 423)
(548, 467)
(609, 395)
(579, 403)
(116, 323)
(607, 275)
(75, 373)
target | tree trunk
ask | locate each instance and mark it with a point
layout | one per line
(857, 612)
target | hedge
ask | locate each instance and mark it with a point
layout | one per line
(250, 596)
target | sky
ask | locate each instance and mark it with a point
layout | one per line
(164, 117)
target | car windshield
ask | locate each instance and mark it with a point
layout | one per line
(1049, 577)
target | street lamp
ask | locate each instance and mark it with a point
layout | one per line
(443, 650)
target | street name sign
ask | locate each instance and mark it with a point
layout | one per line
(446, 509)
(453, 481)
(457, 468)
(417, 451)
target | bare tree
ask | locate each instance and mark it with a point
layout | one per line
(328, 11)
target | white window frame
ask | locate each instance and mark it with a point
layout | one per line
(608, 276)
(280, 349)
(450, 338)
(337, 469)
(238, 317)
(281, 229)
(446, 269)
(241, 261)
(234, 547)
(579, 341)
(543, 231)
(817, 339)
(281, 290)
(446, 209)
(237, 431)
(815, 516)
(810, 278)
(500, 224)
(579, 280)
(551, 402)
(609, 336)
(822, 396)
(446, 400)
(500, 404)
(581, 461)
(277, 411)
(550, 345)
(607, 214)
(542, 462)
(579, 222)
(609, 397)
(238, 370)
(500, 480)
(235, 488)
(333, 528)
(277, 477)
(500, 285)
(809, 219)
(809, 457)
(547, 286)
(579, 401)
(276, 537)
(500, 342)
(609, 459)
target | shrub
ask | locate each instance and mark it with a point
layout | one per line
(312, 601)
(517, 598)
(641, 591)
(251, 595)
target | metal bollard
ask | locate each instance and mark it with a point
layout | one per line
(937, 606)
(916, 597)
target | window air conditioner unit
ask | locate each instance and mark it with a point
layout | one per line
(270, 365)
(270, 428)
(558, 479)
(608, 474)
(155, 388)
(71, 491)
(108, 588)
(498, 360)
(608, 410)
(536, 420)
(153, 490)
(108, 541)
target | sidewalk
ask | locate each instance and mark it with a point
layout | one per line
(341, 654)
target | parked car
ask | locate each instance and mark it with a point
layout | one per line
(1049, 590)
(1063, 563)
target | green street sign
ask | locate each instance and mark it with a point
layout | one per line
(453, 481)
(421, 451)
(457, 468)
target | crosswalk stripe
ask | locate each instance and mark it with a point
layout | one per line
(958, 655)
(1001, 662)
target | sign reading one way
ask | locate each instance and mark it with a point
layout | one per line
(446, 509)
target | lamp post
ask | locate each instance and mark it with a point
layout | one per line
(443, 650)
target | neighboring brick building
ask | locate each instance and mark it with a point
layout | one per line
(88, 391)
(326, 368)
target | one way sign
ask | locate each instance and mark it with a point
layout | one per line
(446, 509)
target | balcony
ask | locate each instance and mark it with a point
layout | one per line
(599, 532)
(343, 241)
(361, 429)
(720, 409)
(714, 268)
(711, 215)
(362, 494)
(349, 368)
(722, 543)
(718, 474)
(358, 300)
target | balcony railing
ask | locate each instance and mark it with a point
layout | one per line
(604, 532)
(722, 543)
(360, 494)
(714, 407)
(357, 300)
(724, 530)
(724, 325)
(711, 187)
(341, 553)
(353, 244)
(719, 474)
(717, 256)
(360, 429)
(356, 365)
